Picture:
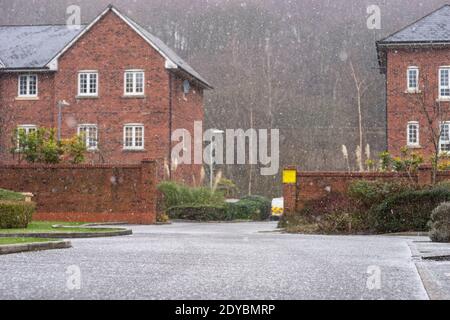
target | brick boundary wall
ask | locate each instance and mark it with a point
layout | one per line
(88, 193)
(316, 185)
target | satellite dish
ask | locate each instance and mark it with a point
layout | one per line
(186, 86)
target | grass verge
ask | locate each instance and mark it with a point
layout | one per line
(8, 241)
(47, 227)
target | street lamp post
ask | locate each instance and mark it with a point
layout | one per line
(61, 104)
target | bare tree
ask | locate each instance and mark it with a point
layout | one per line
(361, 88)
(435, 114)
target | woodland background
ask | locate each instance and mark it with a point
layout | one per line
(284, 63)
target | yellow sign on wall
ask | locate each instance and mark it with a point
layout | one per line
(289, 176)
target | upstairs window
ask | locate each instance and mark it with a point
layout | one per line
(28, 85)
(89, 132)
(134, 83)
(133, 137)
(444, 82)
(413, 79)
(413, 134)
(444, 141)
(88, 83)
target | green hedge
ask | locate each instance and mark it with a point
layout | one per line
(408, 211)
(6, 195)
(249, 208)
(370, 193)
(255, 208)
(199, 213)
(15, 214)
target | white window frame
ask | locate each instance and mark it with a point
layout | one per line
(87, 137)
(441, 97)
(134, 75)
(441, 142)
(27, 128)
(133, 126)
(408, 134)
(408, 79)
(27, 89)
(88, 79)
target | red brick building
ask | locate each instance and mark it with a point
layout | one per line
(416, 62)
(113, 80)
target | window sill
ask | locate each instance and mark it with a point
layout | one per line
(413, 91)
(134, 96)
(414, 147)
(86, 97)
(134, 150)
(27, 98)
(443, 99)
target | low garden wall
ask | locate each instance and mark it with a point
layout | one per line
(88, 193)
(316, 185)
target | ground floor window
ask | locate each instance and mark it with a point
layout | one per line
(133, 137)
(89, 132)
(26, 129)
(413, 133)
(444, 143)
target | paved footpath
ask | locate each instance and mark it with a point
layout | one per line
(216, 261)
(435, 269)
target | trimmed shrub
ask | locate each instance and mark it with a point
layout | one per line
(7, 195)
(440, 223)
(408, 211)
(254, 208)
(199, 213)
(249, 208)
(15, 214)
(244, 210)
(258, 207)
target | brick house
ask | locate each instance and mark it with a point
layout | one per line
(124, 88)
(416, 63)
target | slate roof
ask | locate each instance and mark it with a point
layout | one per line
(24, 47)
(431, 30)
(435, 27)
(33, 47)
